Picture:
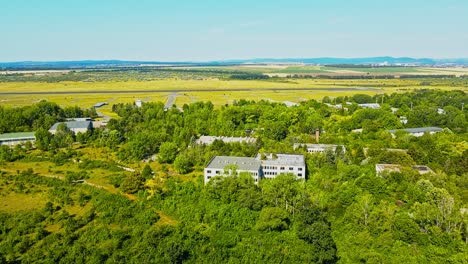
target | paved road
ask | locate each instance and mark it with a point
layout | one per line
(170, 100)
(222, 90)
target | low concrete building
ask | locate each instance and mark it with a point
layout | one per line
(208, 140)
(422, 169)
(371, 105)
(100, 104)
(365, 150)
(12, 139)
(244, 164)
(418, 131)
(276, 164)
(74, 126)
(381, 168)
(318, 148)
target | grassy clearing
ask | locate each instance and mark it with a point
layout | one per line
(15, 202)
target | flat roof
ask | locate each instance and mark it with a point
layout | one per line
(417, 129)
(210, 139)
(73, 124)
(282, 159)
(319, 146)
(243, 163)
(17, 135)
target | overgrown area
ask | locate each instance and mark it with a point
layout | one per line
(134, 191)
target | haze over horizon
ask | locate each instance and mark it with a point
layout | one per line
(210, 30)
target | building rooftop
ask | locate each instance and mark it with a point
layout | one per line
(318, 146)
(208, 140)
(243, 163)
(417, 130)
(17, 135)
(282, 159)
(388, 167)
(73, 124)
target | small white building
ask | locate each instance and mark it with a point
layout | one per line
(218, 164)
(371, 105)
(318, 148)
(138, 103)
(74, 126)
(417, 132)
(276, 164)
(208, 140)
(381, 168)
(12, 139)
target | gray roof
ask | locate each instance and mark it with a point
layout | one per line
(418, 130)
(18, 136)
(73, 124)
(207, 140)
(317, 146)
(243, 163)
(282, 159)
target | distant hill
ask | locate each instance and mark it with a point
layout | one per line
(322, 61)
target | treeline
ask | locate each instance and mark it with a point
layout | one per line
(41, 115)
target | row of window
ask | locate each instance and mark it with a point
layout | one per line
(267, 173)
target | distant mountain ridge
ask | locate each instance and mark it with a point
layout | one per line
(391, 61)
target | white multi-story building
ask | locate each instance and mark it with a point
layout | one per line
(263, 166)
(276, 164)
(318, 148)
(218, 164)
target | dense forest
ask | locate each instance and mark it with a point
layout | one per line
(344, 212)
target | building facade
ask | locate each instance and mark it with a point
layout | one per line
(266, 166)
(74, 126)
(12, 139)
(276, 164)
(318, 148)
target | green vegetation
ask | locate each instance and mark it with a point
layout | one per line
(92, 207)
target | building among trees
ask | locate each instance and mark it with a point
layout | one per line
(318, 148)
(208, 140)
(74, 126)
(264, 165)
(11, 139)
(418, 131)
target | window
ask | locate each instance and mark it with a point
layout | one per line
(218, 172)
(299, 174)
(208, 171)
(291, 168)
(282, 168)
(300, 169)
(209, 177)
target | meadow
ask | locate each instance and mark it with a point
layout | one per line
(87, 87)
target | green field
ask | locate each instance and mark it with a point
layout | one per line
(207, 84)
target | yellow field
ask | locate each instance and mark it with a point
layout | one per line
(148, 91)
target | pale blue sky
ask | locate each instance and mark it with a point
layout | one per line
(202, 30)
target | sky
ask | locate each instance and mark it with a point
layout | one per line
(206, 30)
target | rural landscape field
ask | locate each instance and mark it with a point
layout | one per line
(234, 132)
